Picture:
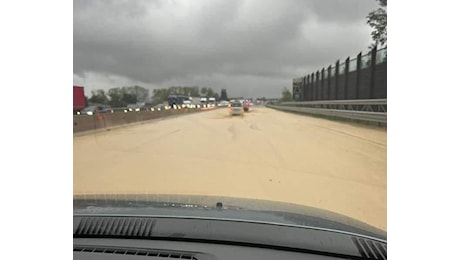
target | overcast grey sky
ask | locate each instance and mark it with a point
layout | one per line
(252, 48)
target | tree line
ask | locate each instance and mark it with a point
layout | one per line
(123, 96)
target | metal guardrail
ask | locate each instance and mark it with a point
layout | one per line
(339, 102)
(370, 105)
(373, 110)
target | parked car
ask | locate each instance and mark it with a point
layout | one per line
(160, 107)
(139, 106)
(144, 106)
(94, 109)
(236, 108)
(131, 107)
(188, 104)
(223, 103)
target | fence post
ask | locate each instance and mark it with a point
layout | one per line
(358, 74)
(304, 86)
(318, 90)
(337, 64)
(293, 90)
(313, 89)
(323, 89)
(373, 58)
(347, 64)
(329, 83)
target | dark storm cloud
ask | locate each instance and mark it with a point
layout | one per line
(249, 47)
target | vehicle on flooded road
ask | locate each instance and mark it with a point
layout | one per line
(96, 109)
(236, 108)
(246, 106)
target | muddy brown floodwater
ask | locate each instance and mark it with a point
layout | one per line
(266, 154)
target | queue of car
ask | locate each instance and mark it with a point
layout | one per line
(140, 106)
(95, 109)
(236, 107)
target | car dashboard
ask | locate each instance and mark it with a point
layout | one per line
(104, 236)
(101, 249)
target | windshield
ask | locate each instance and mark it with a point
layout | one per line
(309, 76)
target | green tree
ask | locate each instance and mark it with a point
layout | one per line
(210, 93)
(98, 97)
(286, 95)
(129, 99)
(161, 95)
(204, 91)
(195, 91)
(223, 94)
(116, 97)
(377, 19)
(141, 93)
(179, 90)
(186, 91)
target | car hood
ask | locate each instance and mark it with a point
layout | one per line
(214, 207)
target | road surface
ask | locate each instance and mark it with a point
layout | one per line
(266, 154)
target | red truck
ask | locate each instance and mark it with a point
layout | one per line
(78, 98)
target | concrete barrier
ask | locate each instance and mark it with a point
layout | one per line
(84, 123)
